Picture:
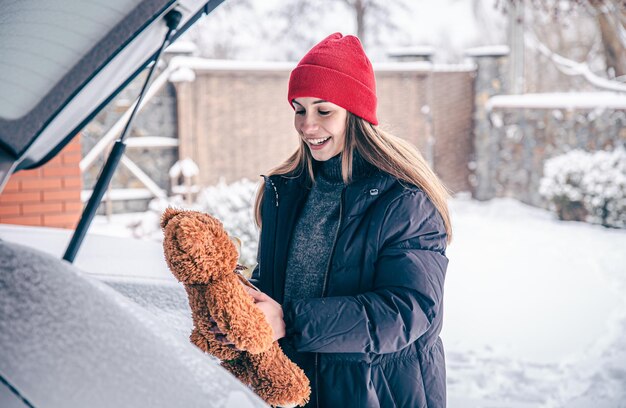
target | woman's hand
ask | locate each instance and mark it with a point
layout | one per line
(219, 336)
(271, 309)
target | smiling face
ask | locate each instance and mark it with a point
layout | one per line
(321, 125)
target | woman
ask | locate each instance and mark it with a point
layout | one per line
(354, 227)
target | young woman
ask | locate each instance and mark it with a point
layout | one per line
(354, 228)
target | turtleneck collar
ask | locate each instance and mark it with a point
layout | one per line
(330, 170)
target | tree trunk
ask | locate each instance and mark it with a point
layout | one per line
(359, 9)
(614, 49)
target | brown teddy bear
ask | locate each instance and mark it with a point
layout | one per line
(201, 255)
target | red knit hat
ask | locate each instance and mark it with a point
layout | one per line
(338, 71)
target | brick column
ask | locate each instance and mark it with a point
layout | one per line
(47, 196)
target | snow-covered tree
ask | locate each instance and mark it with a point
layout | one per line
(277, 30)
(579, 30)
(370, 17)
(223, 34)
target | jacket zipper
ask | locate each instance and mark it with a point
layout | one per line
(275, 190)
(330, 258)
(268, 179)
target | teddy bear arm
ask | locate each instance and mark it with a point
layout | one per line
(199, 310)
(237, 316)
(277, 379)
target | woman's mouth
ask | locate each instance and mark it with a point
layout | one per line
(318, 143)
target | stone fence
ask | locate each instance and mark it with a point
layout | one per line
(515, 134)
(526, 130)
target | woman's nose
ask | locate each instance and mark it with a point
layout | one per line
(309, 125)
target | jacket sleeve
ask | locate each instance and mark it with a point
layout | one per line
(255, 278)
(406, 296)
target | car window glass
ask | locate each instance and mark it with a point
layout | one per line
(40, 42)
(9, 399)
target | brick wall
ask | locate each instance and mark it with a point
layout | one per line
(452, 111)
(47, 196)
(235, 124)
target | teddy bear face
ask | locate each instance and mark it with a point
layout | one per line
(197, 248)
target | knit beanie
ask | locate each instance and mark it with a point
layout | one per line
(338, 71)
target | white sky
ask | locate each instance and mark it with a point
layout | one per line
(449, 26)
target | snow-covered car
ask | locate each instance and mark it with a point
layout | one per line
(75, 335)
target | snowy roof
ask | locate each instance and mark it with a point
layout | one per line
(564, 100)
(120, 194)
(488, 51)
(418, 51)
(421, 66)
(151, 141)
(182, 74)
(203, 64)
(185, 167)
(182, 47)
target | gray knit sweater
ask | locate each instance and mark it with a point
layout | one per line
(315, 230)
(313, 234)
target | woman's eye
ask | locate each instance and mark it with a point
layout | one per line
(323, 113)
(299, 112)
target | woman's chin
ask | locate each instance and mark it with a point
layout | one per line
(323, 154)
(320, 156)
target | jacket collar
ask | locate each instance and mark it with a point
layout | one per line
(357, 196)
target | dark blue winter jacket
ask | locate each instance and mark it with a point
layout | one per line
(373, 336)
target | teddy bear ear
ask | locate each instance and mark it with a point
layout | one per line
(169, 213)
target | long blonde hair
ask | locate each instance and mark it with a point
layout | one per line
(387, 152)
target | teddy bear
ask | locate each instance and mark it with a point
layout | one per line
(202, 256)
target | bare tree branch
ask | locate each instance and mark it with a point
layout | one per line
(570, 67)
(610, 18)
(371, 17)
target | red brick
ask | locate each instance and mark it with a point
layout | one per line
(60, 220)
(71, 158)
(72, 182)
(61, 195)
(61, 171)
(10, 209)
(42, 208)
(41, 184)
(19, 197)
(27, 174)
(22, 220)
(56, 161)
(11, 185)
(73, 206)
(73, 146)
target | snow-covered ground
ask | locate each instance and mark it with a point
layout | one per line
(535, 309)
(535, 312)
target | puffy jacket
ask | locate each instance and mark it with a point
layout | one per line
(373, 336)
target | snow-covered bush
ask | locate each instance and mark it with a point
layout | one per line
(587, 186)
(230, 203)
(233, 205)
